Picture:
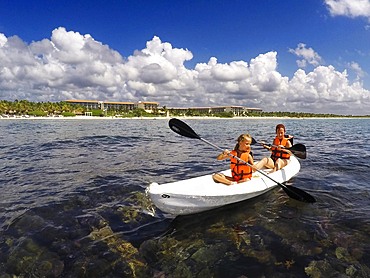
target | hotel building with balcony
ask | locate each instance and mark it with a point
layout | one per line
(151, 106)
(148, 106)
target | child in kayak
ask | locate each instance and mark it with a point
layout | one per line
(240, 171)
(279, 156)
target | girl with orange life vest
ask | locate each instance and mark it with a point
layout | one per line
(279, 155)
(240, 171)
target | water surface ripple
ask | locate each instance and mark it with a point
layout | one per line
(73, 201)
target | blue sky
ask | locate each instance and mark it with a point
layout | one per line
(309, 56)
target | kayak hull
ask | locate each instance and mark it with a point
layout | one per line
(202, 193)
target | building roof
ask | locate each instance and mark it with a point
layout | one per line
(148, 102)
(79, 100)
(118, 102)
(211, 107)
(110, 102)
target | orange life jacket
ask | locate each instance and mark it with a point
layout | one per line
(239, 169)
(276, 153)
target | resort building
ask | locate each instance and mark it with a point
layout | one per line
(89, 104)
(236, 110)
(150, 107)
(116, 105)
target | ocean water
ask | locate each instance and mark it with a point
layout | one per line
(73, 201)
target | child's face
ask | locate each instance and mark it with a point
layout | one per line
(245, 145)
(280, 133)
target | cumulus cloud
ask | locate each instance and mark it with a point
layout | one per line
(349, 8)
(71, 65)
(327, 89)
(308, 55)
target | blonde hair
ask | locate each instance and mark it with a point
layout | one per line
(242, 137)
(245, 136)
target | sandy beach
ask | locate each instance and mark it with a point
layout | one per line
(167, 118)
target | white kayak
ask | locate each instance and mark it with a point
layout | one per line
(202, 193)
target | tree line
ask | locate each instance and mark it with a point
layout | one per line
(25, 107)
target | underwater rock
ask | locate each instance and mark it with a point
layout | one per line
(358, 270)
(132, 208)
(342, 254)
(351, 271)
(181, 270)
(149, 249)
(128, 214)
(316, 269)
(91, 220)
(126, 252)
(28, 222)
(208, 255)
(319, 269)
(30, 259)
(357, 253)
(187, 258)
(343, 239)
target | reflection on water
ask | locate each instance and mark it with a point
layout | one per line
(73, 202)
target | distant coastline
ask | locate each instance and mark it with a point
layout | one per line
(180, 117)
(23, 109)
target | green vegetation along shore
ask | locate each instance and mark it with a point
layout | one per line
(44, 109)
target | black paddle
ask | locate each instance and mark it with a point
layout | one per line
(299, 150)
(183, 129)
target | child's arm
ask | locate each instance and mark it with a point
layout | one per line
(223, 155)
(250, 159)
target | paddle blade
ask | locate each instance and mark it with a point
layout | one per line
(254, 141)
(298, 194)
(182, 128)
(299, 150)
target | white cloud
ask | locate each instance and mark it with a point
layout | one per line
(75, 66)
(308, 55)
(326, 89)
(349, 8)
(357, 69)
(3, 40)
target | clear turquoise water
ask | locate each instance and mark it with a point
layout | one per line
(73, 192)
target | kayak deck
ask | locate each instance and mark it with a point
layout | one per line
(202, 193)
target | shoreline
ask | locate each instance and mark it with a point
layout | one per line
(179, 117)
